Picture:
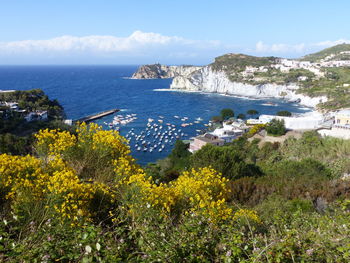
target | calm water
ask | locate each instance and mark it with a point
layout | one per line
(84, 90)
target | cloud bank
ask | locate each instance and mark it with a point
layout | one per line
(145, 46)
(296, 49)
(139, 48)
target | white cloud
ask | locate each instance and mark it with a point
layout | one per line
(138, 48)
(109, 44)
(279, 48)
(330, 43)
(297, 49)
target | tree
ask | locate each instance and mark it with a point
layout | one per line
(284, 113)
(252, 112)
(241, 116)
(276, 128)
(226, 160)
(227, 113)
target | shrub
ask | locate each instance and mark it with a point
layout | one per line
(284, 113)
(276, 127)
(226, 159)
(255, 129)
(252, 112)
(241, 116)
(226, 114)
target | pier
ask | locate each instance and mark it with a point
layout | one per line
(96, 116)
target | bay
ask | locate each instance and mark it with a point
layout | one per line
(85, 90)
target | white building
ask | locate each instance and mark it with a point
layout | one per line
(307, 121)
(341, 126)
(36, 116)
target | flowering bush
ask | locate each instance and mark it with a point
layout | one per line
(255, 129)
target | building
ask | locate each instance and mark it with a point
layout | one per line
(342, 117)
(227, 135)
(11, 105)
(202, 140)
(307, 121)
(36, 116)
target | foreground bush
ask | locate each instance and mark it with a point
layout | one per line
(83, 198)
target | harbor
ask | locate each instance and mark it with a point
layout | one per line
(96, 116)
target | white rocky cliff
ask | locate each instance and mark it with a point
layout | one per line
(208, 80)
(157, 71)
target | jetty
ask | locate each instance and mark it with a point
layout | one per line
(96, 116)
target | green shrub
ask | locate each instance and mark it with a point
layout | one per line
(276, 128)
(226, 114)
(284, 113)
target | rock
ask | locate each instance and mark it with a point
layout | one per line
(320, 205)
(157, 71)
(208, 80)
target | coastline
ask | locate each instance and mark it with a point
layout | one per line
(311, 109)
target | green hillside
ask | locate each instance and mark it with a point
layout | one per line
(328, 51)
(238, 62)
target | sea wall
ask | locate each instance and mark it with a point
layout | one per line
(208, 80)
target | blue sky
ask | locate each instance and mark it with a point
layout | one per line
(170, 32)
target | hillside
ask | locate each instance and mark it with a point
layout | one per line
(321, 78)
(338, 52)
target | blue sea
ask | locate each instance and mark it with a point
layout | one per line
(85, 90)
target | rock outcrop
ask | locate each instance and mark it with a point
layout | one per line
(208, 80)
(157, 71)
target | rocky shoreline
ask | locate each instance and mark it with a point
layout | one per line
(205, 79)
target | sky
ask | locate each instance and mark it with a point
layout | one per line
(169, 32)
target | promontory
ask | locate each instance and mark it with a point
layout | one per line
(320, 80)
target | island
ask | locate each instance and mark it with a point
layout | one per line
(320, 80)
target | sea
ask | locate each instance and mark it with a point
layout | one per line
(86, 90)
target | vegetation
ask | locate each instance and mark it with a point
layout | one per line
(33, 100)
(217, 118)
(241, 116)
(226, 114)
(238, 62)
(334, 84)
(276, 128)
(15, 132)
(252, 112)
(284, 113)
(315, 57)
(82, 198)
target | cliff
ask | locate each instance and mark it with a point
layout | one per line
(157, 71)
(321, 79)
(209, 80)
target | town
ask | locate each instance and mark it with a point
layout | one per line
(334, 124)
